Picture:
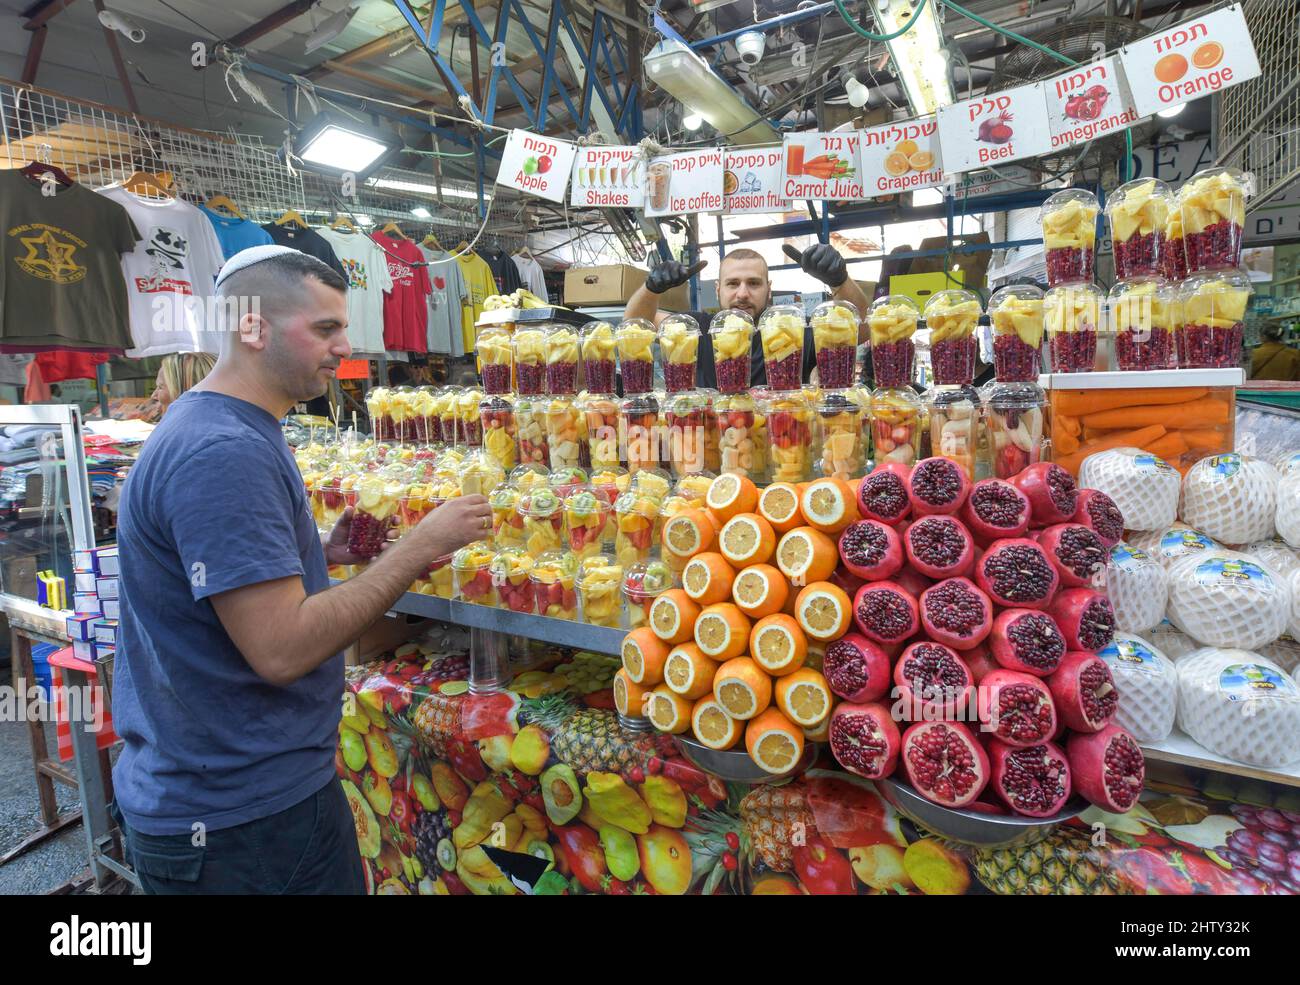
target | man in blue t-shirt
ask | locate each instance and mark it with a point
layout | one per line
(229, 671)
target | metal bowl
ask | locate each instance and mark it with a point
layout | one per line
(735, 766)
(974, 828)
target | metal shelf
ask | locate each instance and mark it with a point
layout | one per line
(1181, 749)
(559, 631)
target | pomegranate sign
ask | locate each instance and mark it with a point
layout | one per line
(1088, 101)
(685, 182)
(1192, 59)
(608, 177)
(751, 180)
(537, 165)
(1003, 126)
(901, 157)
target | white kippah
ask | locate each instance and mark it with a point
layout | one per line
(250, 256)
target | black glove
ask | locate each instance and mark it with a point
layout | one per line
(670, 274)
(821, 261)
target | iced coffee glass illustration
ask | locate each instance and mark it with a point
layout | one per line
(659, 175)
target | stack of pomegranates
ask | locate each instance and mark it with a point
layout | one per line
(974, 660)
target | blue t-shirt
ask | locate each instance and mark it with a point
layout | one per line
(236, 234)
(214, 503)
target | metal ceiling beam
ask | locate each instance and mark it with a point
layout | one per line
(271, 22)
(380, 46)
(35, 48)
(110, 38)
(39, 13)
(421, 96)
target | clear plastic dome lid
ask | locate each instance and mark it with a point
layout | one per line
(503, 497)
(731, 320)
(528, 476)
(1073, 308)
(1216, 181)
(647, 578)
(679, 339)
(1139, 207)
(694, 487)
(782, 316)
(553, 566)
(512, 563)
(832, 403)
(565, 480)
(655, 483)
(598, 340)
(474, 556)
(1218, 298)
(613, 480)
(599, 572)
(561, 344)
(1073, 202)
(635, 338)
(539, 501)
(530, 345)
(479, 473)
(834, 313)
(952, 314)
(893, 318)
(586, 500)
(495, 346)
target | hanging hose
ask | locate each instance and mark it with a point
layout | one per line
(844, 12)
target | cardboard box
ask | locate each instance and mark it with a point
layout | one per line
(106, 633)
(972, 268)
(82, 627)
(106, 588)
(83, 650)
(86, 605)
(112, 609)
(615, 284)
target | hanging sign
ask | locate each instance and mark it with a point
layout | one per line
(353, 369)
(537, 165)
(1003, 126)
(685, 182)
(1192, 59)
(606, 177)
(751, 180)
(823, 166)
(900, 157)
(1088, 101)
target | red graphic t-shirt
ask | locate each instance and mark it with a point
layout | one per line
(406, 312)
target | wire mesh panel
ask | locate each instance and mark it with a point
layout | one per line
(1259, 120)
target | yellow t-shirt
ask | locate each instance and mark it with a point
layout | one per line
(479, 285)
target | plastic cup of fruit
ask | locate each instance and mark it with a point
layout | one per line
(599, 348)
(543, 516)
(732, 334)
(511, 568)
(789, 421)
(639, 425)
(507, 523)
(600, 429)
(564, 432)
(553, 592)
(1144, 315)
(686, 421)
(1138, 214)
(951, 316)
(1174, 263)
(1069, 223)
(781, 328)
(636, 526)
(1015, 422)
(835, 341)
(565, 482)
(530, 361)
(1213, 207)
(612, 482)
(679, 348)
(896, 425)
(437, 580)
(496, 360)
(469, 426)
(472, 576)
(497, 416)
(416, 505)
(891, 324)
(1016, 314)
(586, 518)
(530, 431)
(562, 354)
(332, 500)
(599, 586)
(712, 446)
(636, 338)
(644, 582)
(839, 419)
(378, 510)
(404, 416)
(1072, 315)
(955, 425)
(448, 400)
(1214, 313)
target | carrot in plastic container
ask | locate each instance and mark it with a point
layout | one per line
(1139, 438)
(1170, 447)
(1077, 403)
(1195, 413)
(1204, 439)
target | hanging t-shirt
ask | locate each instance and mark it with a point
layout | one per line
(446, 294)
(366, 269)
(169, 275)
(504, 272)
(406, 309)
(70, 364)
(61, 280)
(236, 234)
(530, 272)
(479, 286)
(308, 241)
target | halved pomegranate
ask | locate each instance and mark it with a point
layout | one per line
(1028, 641)
(956, 613)
(1077, 551)
(882, 495)
(1098, 511)
(1084, 691)
(885, 612)
(1033, 780)
(1016, 708)
(1085, 618)
(855, 668)
(1052, 491)
(1017, 573)
(939, 546)
(937, 485)
(945, 763)
(1108, 767)
(996, 509)
(864, 739)
(871, 550)
(933, 682)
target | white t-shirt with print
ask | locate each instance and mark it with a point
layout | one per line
(368, 281)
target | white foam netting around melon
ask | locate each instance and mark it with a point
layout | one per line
(1148, 687)
(1240, 705)
(1138, 588)
(1223, 598)
(1144, 487)
(1232, 498)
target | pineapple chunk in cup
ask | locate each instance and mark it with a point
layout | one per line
(599, 586)
(732, 333)
(1017, 316)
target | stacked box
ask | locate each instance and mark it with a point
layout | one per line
(93, 630)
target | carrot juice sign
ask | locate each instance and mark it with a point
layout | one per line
(900, 157)
(823, 166)
(1000, 127)
(537, 165)
(1088, 101)
(685, 182)
(1195, 58)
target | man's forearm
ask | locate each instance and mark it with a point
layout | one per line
(849, 291)
(642, 304)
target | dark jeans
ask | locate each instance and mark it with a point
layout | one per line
(310, 848)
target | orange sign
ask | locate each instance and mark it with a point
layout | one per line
(354, 369)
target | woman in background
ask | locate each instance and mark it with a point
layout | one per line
(178, 372)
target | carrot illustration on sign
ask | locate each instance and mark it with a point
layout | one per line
(828, 167)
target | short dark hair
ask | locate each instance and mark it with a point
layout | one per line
(744, 253)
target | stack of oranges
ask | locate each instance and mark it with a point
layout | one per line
(734, 653)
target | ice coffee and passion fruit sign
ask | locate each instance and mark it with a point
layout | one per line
(685, 182)
(537, 165)
(751, 180)
(1003, 126)
(608, 177)
(901, 157)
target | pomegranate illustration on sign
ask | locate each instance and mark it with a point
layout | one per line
(1087, 105)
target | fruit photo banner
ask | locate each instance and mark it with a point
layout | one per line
(1005, 126)
(537, 165)
(1193, 59)
(608, 177)
(901, 157)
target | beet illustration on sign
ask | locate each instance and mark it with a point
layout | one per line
(995, 130)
